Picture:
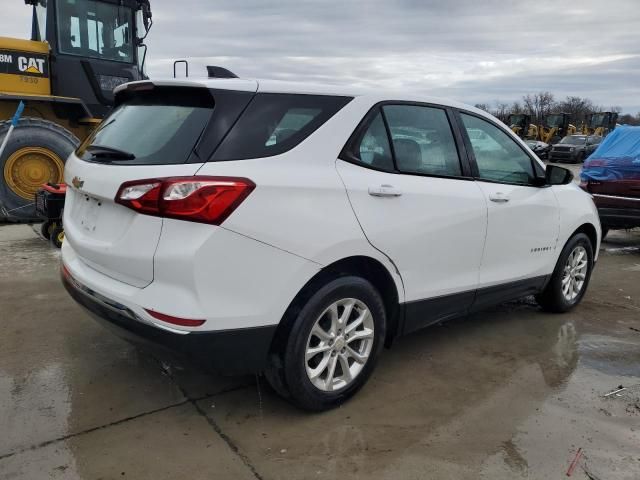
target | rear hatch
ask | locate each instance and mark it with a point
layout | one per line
(154, 131)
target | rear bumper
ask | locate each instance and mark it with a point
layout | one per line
(618, 211)
(237, 351)
(619, 217)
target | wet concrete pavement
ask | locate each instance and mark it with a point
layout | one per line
(506, 394)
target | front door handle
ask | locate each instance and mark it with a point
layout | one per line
(384, 191)
(498, 197)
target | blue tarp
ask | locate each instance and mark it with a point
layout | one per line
(616, 158)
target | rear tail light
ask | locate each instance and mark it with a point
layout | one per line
(183, 322)
(196, 199)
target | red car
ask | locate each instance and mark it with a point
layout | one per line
(612, 176)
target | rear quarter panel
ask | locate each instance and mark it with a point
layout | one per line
(300, 204)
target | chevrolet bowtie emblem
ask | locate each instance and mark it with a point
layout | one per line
(77, 183)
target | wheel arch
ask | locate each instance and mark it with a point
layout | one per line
(366, 267)
(590, 231)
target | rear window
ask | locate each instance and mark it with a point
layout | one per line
(274, 123)
(155, 128)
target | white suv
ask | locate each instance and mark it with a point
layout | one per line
(295, 230)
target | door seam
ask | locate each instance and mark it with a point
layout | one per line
(346, 191)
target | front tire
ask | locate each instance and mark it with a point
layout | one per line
(334, 344)
(571, 276)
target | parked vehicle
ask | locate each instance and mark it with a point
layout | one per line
(541, 149)
(296, 230)
(49, 201)
(574, 148)
(612, 176)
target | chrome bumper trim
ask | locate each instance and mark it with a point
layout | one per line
(616, 197)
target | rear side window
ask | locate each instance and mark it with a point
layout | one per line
(274, 123)
(422, 140)
(373, 147)
(156, 129)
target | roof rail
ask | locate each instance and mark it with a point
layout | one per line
(186, 67)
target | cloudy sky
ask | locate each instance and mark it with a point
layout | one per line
(470, 50)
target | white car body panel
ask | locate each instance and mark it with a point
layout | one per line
(210, 284)
(309, 210)
(530, 250)
(434, 231)
(576, 209)
(111, 238)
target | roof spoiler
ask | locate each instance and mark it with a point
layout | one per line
(219, 72)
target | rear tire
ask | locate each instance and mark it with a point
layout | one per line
(35, 155)
(344, 321)
(570, 278)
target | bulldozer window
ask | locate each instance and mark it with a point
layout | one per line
(95, 29)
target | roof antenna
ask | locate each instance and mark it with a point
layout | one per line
(219, 72)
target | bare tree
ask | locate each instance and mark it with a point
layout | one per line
(538, 105)
(501, 111)
(578, 107)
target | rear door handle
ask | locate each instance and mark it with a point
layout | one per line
(498, 197)
(384, 191)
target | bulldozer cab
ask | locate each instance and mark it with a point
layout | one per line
(556, 126)
(606, 120)
(557, 120)
(519, 124)
(95, 45)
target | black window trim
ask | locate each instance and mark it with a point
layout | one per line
(347, 154)
(472, 158)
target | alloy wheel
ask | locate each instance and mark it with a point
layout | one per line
(339, 344)
(575, 273)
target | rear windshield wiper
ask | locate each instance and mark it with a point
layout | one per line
(102, 151)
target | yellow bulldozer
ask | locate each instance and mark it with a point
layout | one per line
(520, 124)
(600, 123)
(64, 77)
(556, 126)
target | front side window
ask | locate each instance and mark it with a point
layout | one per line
(95, 29)
(498, 157)
(422, 140)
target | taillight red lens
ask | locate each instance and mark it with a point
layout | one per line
(183, 322)
(196, 199)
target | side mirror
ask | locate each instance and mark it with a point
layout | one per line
(555, 175)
